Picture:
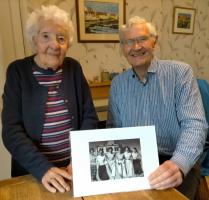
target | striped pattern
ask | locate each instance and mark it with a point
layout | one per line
(57, 124)
(170, 100)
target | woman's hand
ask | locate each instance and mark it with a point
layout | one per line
(167, 175)
(69, 169)
(57, 179)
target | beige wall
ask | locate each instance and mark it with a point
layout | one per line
(193, 49)
(6, 54)
(11, 47)
(4, 155)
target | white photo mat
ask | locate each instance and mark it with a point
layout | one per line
(83, 185)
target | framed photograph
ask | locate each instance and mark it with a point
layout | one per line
(99, 20)
(113, 160)
(183, 20)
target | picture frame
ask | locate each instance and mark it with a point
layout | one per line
(105, 160)
(99, 20)
(183, 20)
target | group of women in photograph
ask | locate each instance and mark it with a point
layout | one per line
(109, 164)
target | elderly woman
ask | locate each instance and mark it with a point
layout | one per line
(45, 97)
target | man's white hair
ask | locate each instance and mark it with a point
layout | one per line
(46, 13)
(138, 20)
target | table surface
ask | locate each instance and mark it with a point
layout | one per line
(207, 180)
(27, 188)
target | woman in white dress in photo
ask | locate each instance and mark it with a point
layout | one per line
(129, 162)
(120, 164)
(110, 162)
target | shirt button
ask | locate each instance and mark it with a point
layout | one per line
(57, 87)
(66, 101)
(72, 117)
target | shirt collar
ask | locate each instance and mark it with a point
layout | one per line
(153, 66)
(152, 69)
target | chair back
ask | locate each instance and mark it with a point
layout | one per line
(204, 90)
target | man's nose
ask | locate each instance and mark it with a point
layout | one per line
(137, 45)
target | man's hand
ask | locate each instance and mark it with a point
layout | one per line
(55, 180)
(167, 175)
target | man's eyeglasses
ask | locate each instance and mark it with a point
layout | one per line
(138, 40)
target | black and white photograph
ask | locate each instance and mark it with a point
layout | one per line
(115, 159)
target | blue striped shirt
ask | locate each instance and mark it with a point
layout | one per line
(170, 100)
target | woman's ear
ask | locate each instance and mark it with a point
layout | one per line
(34, 40)
(34, 43)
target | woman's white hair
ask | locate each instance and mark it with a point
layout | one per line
(45, 13)
(138, 20)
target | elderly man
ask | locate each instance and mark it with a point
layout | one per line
(163, 93)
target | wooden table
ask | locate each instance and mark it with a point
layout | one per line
(207, 181)
(27, 188)
(170, 194)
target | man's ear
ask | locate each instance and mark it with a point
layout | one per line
(155, 41)
(68, 45)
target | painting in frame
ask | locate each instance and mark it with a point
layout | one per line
(183, 20)
(99, 20)
(113, 160)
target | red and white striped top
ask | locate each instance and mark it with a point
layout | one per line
(54, 142)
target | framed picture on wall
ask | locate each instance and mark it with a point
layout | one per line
(183, 20)
(99, 20)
